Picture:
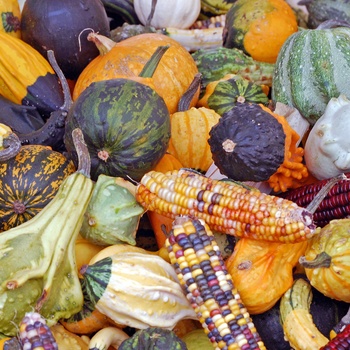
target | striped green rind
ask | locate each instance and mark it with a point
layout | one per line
(126, 119)
(96, 278)
(227, 93)
(311, 68)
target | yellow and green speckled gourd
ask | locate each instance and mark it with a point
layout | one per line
(10, 17)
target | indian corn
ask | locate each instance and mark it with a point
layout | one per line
(209, 287)
(225, 206)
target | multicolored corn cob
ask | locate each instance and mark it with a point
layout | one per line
(335, 205)
(209, 287)
(340, 342)
(225, 206)
(34, 334)
(211, 22)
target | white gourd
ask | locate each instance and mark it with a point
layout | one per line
(327, 148)
(168, 13)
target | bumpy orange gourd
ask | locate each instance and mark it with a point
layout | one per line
(262, 271)
(126, 59)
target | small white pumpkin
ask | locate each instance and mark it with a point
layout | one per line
(168, 13)
(327, 148)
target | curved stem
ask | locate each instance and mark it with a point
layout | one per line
(187, 97)
(151, 14)
(12, 145)
(333, 23)
(84, 162)
(151, 65)
(321, 260)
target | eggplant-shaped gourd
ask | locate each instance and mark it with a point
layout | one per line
(37, 258)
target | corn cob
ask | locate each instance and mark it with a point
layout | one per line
(225, 206)
(335, 205)
(209, 287)
(211, 22)
(34, 334)
(340, 342)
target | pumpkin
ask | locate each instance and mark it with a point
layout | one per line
(61, 26)
(10, 14)
(223, 94)
(306, 78)
(126, 59)
(126, 126)
(167, 13)
(29, 181)
(263, 271)
(327, 260)
(259, 27)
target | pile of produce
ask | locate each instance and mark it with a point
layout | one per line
(174, 174)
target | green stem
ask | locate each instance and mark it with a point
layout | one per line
(321, 260)
(187, 97)
(152, 64)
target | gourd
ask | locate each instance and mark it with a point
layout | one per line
(126, 136)
(126, 59)
(326, 260)
(136, 289)
(307, 79)
(216, 7)
(327, 144)
(257, 267)
(156, 338)
(10, 14)
(259, 28)
(36, 86)
(223, 94)
(46, 273)
(167, 13)
(323, 10)
(29, 181)
(60, 26)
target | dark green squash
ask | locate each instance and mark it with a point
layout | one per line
(247, 143)
(29, 181)
(126, 126)
(153, 338)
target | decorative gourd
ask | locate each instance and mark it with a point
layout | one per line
(68, 340)
(155, 338)
(257, 267)
(126, 136)
(306, 78)
(327, 144)
(259, 27)
(136, 289)
(61, 26)
(323, 10)
(216, 7)
(223, 94)
(29, 182)
(327, 260)
(167, 13)
(26, 77)
(126, 59)
(10, 17)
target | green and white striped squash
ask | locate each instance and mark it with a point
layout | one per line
(312, 67)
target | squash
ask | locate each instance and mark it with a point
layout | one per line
(167, 13)
(67, 340)
(126, 136)
(216, 7)
(29, 182)
(263, 271)
(223, 94)
(322, 10)
(327, 260)
(10, 15)
(26, 77)
(126, 59)
(155, 338)
(61, 26)
(306, 78)
(259, 27)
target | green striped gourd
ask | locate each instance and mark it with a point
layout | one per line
(313, 66)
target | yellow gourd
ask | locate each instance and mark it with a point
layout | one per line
(10, 17)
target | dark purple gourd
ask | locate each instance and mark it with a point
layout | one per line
(247, 143)
(61, 26)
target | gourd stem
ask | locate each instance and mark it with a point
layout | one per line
(152, 64)
(103, 44)
(321, 260)
(187, 97)
(333, 23)
(12, 145)
(84, 162)
(151, 14)
(314, 204)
